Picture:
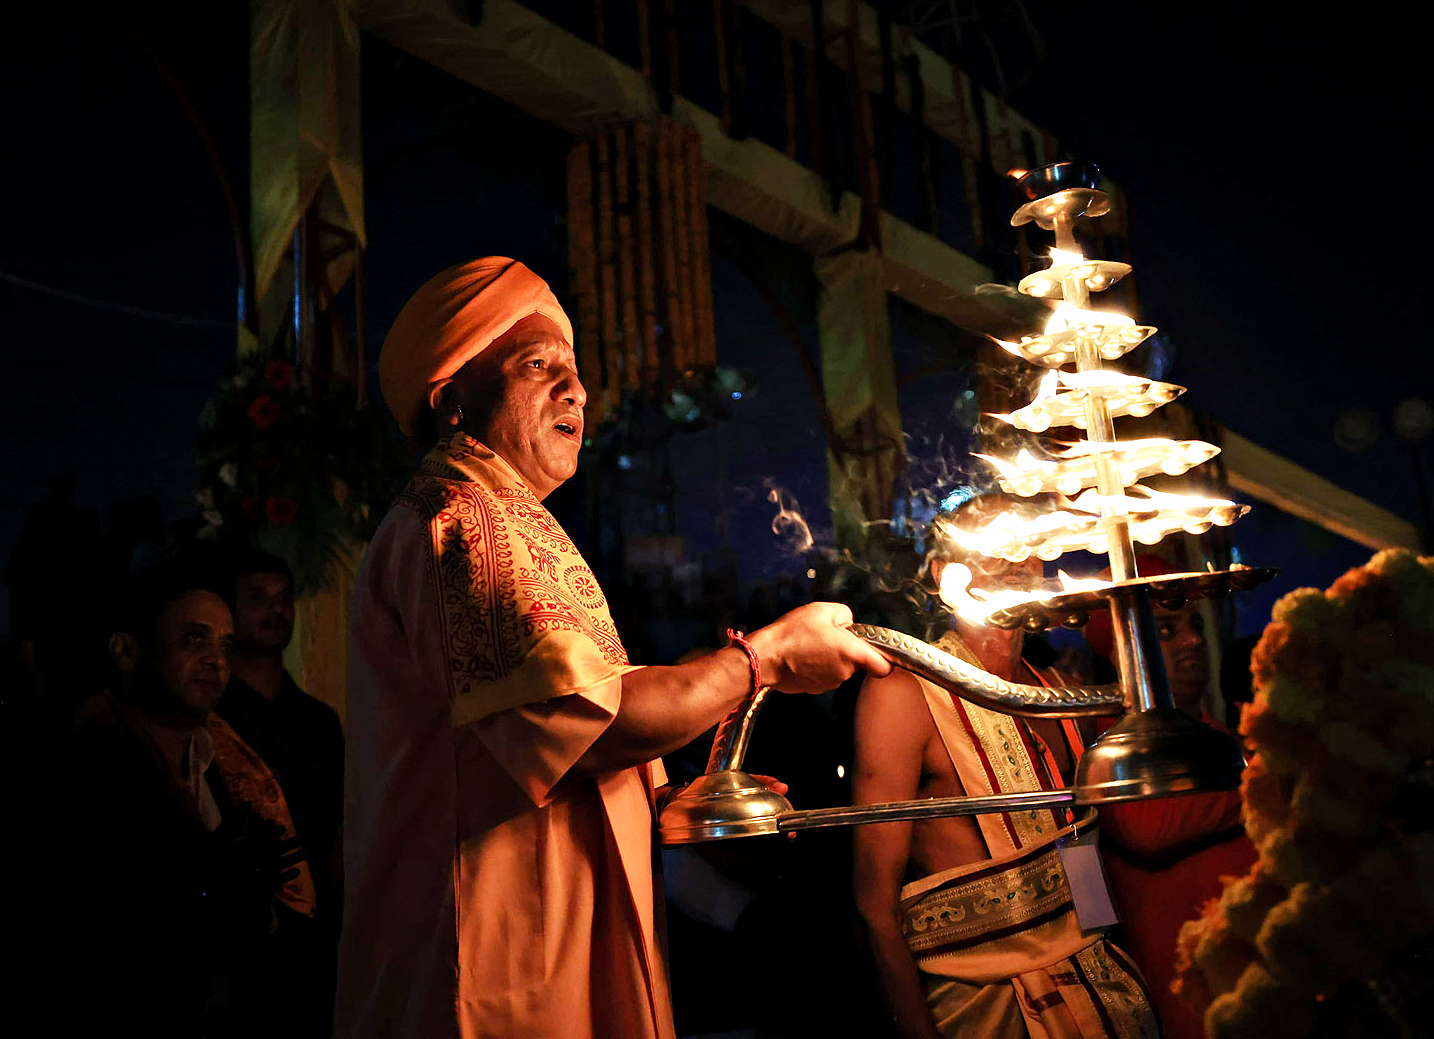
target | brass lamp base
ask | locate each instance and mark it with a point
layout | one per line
(720, 804)
(1157, 753)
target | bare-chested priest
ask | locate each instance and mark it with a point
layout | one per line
(971, 919)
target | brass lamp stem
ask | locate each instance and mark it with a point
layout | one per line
(1101, 430)
(729, 745)
(1137, 649)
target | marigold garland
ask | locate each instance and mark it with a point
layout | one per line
(1342, 726)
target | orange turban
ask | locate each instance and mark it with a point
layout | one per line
(454, 317)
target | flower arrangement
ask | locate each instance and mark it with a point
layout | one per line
(301, 471)
(1336, 802)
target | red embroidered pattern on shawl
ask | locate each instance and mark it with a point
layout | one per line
(493, 608)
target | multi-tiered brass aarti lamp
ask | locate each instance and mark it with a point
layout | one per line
(1155, 750)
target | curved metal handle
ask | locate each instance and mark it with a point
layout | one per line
(729, 746)
(983, 688)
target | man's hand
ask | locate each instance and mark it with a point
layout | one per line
(257, 849)
(773, 784)
(810, 651)
(252, 860)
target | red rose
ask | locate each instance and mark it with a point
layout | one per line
(266, 464)
(279, 375)
(263, 412)
(279, 511)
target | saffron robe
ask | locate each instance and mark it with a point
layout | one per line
(997, 942)
(490, 889)
(1166, 857)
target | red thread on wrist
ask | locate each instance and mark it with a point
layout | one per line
(738, 639)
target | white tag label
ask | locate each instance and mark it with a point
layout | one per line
(1089, 891)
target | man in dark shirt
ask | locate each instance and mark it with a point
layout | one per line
(296, 734)
(185, 902)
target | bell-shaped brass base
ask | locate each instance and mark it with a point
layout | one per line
(1157, 753)
(720, 804)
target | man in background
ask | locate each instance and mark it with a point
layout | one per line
(192, 906)
(1165, 857)
(300, 738)
(298, 735)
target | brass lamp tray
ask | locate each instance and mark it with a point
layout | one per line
(1169, 590)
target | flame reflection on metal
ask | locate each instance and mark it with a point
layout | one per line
(1095, 275)
(1081, 526)
(1053, 349)
(1120, 394)
(1076, 466)
(1073, 607)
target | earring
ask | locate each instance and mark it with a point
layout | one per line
(458, 414)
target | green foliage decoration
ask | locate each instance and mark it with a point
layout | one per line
(299, 470)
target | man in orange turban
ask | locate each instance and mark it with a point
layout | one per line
(502, 769)
(449, 321)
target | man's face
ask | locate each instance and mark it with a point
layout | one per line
(263, 611)
(526, 402)
(1000, 575)
(991, 573)
(184, 673)
(1182, 644)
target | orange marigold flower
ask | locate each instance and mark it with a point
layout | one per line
(1218, 957)
(1267, 799)
(279, 511)
(1298, 655)
(263, 412)
(279, 375)
(1366, 596)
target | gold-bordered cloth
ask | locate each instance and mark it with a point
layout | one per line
(1002, 954)
(987, 901)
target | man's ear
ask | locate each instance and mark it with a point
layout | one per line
(440, 395)
(936, 566)
(124, 650)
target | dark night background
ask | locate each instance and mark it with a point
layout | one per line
(1268, 159)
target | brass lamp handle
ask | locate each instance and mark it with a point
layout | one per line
(729, 746)
(986, 690)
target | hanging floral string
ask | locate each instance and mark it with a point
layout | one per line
(639, 252)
